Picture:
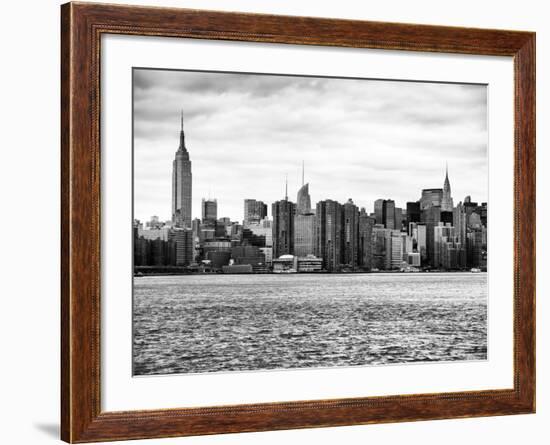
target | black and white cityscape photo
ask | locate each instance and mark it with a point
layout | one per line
(286, 222)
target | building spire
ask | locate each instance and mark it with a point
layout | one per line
(447, 200)
(182, 135)
(302, 173)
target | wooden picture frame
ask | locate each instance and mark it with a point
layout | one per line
(82, 25)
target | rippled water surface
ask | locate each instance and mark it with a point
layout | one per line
(209, 323)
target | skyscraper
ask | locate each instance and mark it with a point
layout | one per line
(431, 198)
(366, 224)
(379, 211)
(304, 222)
(379, 235)
(254, 211)
(351, 234)
(303, 202)
(398, 224)
(446, 200)
(431, 216)
(394, 249)
(283, 226)
(413, 213)
(209, 209)
(181, 246)
(448, 252)
(459, 223)
(304, 230)
(328, 234)
(388, 214)
(181, 184)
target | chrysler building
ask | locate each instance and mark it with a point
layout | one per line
(447, 200)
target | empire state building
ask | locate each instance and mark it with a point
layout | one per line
(181, 184)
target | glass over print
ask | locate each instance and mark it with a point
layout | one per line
(297, 222)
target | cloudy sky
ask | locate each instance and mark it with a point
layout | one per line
(359, 139)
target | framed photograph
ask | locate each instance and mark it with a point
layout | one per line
(274, 222)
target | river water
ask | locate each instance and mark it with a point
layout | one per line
(213, 323)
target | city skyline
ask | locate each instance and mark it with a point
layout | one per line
(334, 170)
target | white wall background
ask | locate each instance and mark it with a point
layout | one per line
(29, 184)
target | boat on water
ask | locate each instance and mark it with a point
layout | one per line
(475, 270)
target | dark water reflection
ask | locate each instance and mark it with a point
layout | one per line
(207, 323)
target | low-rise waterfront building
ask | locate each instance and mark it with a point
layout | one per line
(285, 264)
(310, 263)
(237, 269)
(413, 259)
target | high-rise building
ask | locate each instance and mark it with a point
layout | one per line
(418, 233)
(303, 203)
(235, 232)
(483, 211)
(459, 223)
(408, 245)
(379, 234)
(283, 227)
(431, 198)
(181, 184)
(379, 211)
(304, 234)
(446, 199)
(209, 210)
(328, 234)
(351, 234)
(443, 243)
(388, 214)
(366, 224)
(304, 223)
(254, 211)
(431, 216)
(446, 216)
(252, 239)
(474, 221)
(264, 228)
(398, 218)
(461, 230)
(477, 247)
(181, 246)
(413, 213)
(394, 250)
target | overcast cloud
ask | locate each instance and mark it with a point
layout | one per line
(360, 139)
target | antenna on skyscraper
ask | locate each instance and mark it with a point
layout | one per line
(182, 119)
(302, 173)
